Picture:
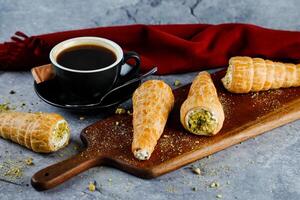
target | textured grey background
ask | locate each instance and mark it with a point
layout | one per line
(263, 168)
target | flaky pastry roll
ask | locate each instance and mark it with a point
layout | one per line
(152, 103)
(202, 113)
(245, 74)
(40, 132)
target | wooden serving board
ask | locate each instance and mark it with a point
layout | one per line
(246, 116)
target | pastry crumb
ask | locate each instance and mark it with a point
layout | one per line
(254, 95)
(214, 184)
(117, 123)
(81, 118)
(196, 170)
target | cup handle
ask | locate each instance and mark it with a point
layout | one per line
(134, 68)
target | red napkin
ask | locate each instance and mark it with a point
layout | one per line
(172, 48)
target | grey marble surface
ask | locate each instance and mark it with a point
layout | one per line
(267, 167)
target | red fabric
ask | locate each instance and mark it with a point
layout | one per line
(172, 48)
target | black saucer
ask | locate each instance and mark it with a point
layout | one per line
(52, 93)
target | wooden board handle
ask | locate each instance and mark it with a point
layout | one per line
(56, 174)
(42, 73)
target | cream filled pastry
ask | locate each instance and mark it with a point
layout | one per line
(152, 103)
(202, 113)
(245, 74)
(40, 132)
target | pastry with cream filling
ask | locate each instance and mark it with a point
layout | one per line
(202, 113)
(245, 74)
(152, 103)
(40, 132)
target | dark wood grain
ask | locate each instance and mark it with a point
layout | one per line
(246, 115)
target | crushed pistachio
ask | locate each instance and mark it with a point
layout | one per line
(92, 187)
(128, 112)
(177, 83)
(120, 111)
(109, 180)
(60, 131)
(12, 169)
(201, 121)
(4, 107)
(171, 189)
(14, 172)
(214, 185)
(219, 196)
(196, 170)
(29, 161)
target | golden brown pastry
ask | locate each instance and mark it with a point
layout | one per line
(202, 113)
(41, 132)
(152, 103)
(245, 74)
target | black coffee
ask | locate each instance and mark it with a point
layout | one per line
(86, 57)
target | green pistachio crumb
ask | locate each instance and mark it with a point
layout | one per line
(201, 122)
(15, 172)
(128, 112)
(4, 107)
(177, 83)
(120, 111)
(29, 161)
(92, 187)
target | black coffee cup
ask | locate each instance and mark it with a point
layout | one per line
(91, 83)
